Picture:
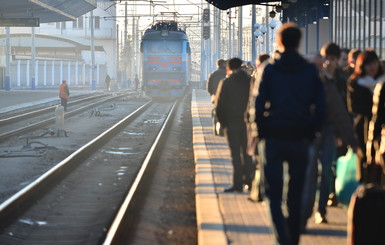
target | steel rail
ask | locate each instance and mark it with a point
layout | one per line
(39, 112)
(52, 119)
(119, 230)
(22, 200)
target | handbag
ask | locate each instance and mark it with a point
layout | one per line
(346, 181)
(218, 129)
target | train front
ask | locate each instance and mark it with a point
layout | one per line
(166, 56)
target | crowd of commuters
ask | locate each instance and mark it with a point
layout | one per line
(335, 100)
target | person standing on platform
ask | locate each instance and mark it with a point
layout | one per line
(136, 82)
(360, 100)
(231, 102)
(212, 86)
(64, 94)
(352, 58)
(337, 121)
(108, 82)
(215, 77)
(290, 110)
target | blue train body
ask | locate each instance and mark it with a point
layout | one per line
(166, 57)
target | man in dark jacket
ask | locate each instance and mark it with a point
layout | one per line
(215, 77)
(231, 103)
(290, 109)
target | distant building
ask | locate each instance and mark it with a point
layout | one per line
(63, 49)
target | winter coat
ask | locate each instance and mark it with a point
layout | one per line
(214, 79)
(64, 91)
(291, 100)
(232, 98)
(360, 102)
(337, 114)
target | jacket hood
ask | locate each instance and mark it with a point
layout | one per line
(289, 61)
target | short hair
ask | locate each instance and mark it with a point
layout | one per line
(234, 63)
(345, 50)
(262, 57)
(221, 63)
(331, 49)
(289, 36)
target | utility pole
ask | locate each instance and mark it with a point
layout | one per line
(267, 41)
(125, 44)
(132, 65)
(253, 21)
(117, 53)
(240, 30)
(218, 32)
(93, 67)
(230, 44)
(208, 49)
(33, 51)
(8, 59)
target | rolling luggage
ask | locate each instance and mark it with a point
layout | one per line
(366, 216)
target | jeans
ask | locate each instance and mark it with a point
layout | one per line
(327, 155)
(295, 153)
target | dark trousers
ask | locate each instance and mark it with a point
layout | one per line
(295, 153)
(64, 103)
(244, 171)
(327, 156)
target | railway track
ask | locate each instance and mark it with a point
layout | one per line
(92, 191)
(15, 125)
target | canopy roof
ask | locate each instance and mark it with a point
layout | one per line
(226, 4)
(46, 10)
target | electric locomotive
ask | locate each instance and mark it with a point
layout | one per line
(166, 57)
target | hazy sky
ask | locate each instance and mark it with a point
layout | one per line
(182, 8)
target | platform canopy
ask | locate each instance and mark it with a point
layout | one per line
(226, 4)
(46, 10)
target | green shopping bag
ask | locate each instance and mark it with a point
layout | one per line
(346, 182)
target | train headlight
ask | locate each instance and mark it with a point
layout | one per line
(152, 68)
(176, 69)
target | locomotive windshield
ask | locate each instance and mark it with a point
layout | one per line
(162, 47)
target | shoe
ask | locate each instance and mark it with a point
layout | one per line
(247, 188)
(320, 219)
(332, 202)
(234, 189)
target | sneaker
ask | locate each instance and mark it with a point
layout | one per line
(320, 219)
(332, 202)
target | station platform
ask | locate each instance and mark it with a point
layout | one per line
(230, 218)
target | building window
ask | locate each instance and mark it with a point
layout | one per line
(80, 22)
(97, 22)
(63, 25)
(57, 25)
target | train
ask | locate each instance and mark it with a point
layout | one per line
(166, 60)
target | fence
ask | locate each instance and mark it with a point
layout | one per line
(50, 73)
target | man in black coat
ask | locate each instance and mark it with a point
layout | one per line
(232, 98)
(290, 109)
(215, 77)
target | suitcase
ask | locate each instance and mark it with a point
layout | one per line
(366, 216)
